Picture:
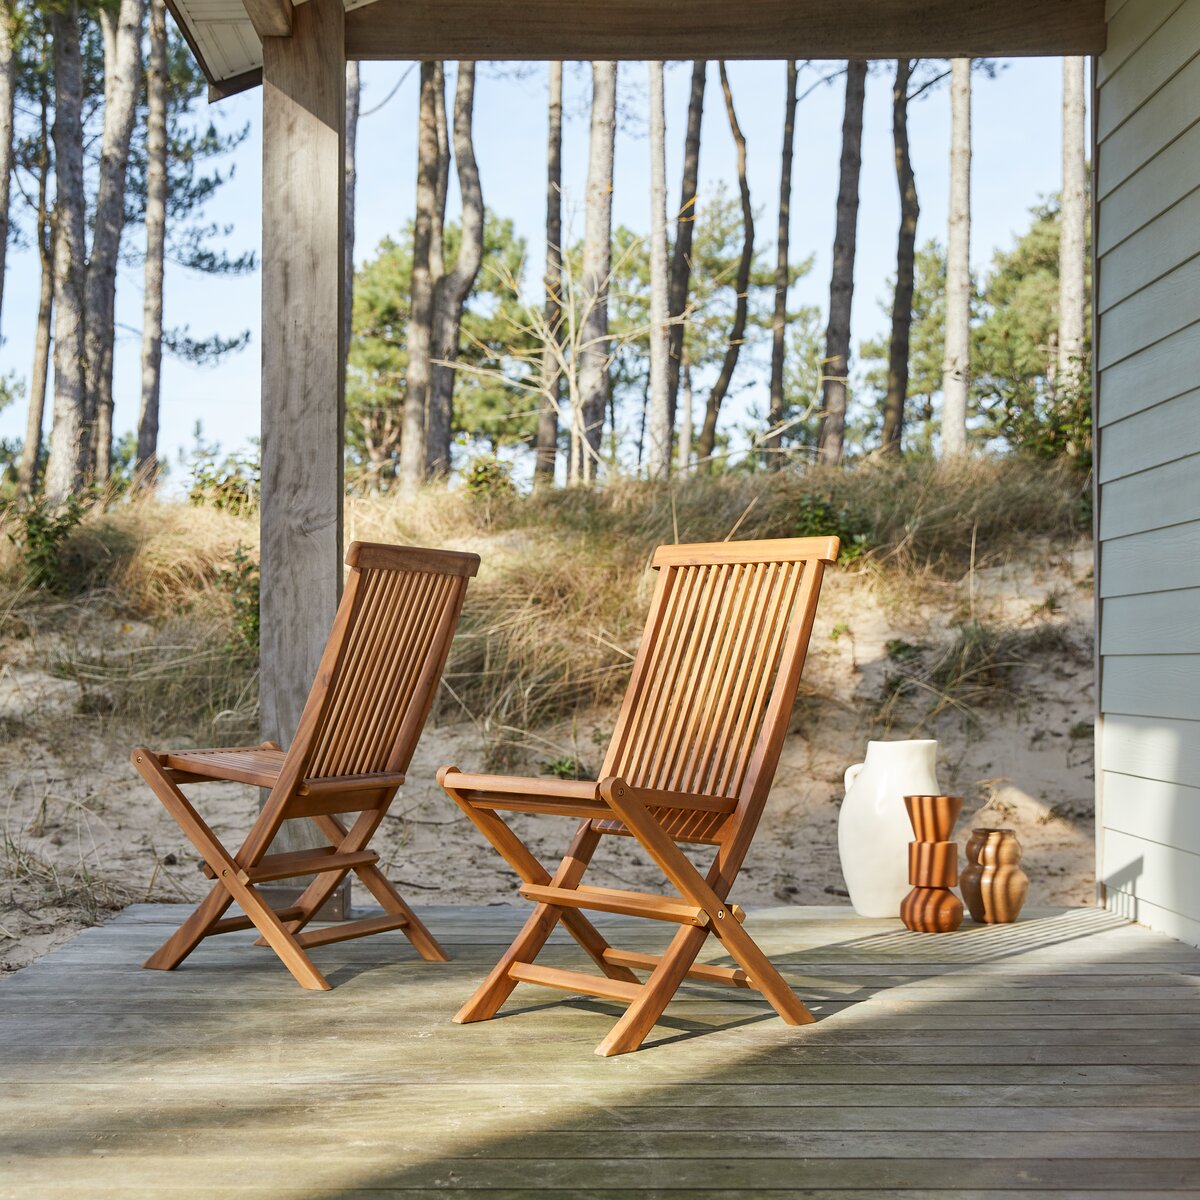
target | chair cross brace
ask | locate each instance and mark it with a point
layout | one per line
(700, 910)
(281, 929)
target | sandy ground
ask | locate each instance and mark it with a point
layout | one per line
(83, 836)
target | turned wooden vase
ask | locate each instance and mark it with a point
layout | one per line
(993, 884)
(931, 907)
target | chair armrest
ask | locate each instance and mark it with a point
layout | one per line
(660, 798)
(515, 785)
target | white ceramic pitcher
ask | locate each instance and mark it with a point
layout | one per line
(873, 826)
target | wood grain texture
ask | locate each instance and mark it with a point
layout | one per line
(270, 18)
(109, 1087)
(304, 98)
(368, 703)
(635, 29)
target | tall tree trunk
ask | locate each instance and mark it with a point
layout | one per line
(1073, 225)
(906, 243)
(662, 419)
(31, 448)
(156, 226)
(685, 224)
(708, 433)
(68, 464)
(8, 82)
(597, 263)
(437, 249)
(956, 367)
(454, 288)
(773, 442)
(834, 386)
(122, 75)
(684, 449)
(547, 429)
(420, 324)
(353, 97)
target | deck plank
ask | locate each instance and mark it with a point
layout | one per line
(1056, 1057)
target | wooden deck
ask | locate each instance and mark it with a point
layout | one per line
(1059, 1056)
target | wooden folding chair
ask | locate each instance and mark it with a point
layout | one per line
(697, 741)
(374, 687)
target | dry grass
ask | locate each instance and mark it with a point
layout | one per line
(552, 622)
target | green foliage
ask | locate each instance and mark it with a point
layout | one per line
(488, 478)
(229, 482)
(566, 767)
(240, 582)
(488, 409)
(40, 531)
(1015, 399)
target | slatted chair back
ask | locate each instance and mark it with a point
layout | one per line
(715, 678)
(380, 674)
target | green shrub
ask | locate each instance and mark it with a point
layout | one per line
(40, 532)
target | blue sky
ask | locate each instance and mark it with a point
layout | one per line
(1016, 161)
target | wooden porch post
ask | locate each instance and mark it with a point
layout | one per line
(304, 101)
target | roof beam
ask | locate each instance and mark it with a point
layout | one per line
(270, 18)
(770, 29)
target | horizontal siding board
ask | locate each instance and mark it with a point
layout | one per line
(1149, 562)
(1162, 875)
(1154, 251)
(1166, 306)
(1160, 435)
(1160, 372)
(1173, 924)
(1167, 114)
(1151, 748)
(1153, 623)
(1159, 56)
(1166, 813)
(1152, 685)
(1130, 24)
(1163, 181)
(1166, 495)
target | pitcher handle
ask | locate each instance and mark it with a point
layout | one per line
(852, 773)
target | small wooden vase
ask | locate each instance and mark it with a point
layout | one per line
(931, 907)
(993, 883)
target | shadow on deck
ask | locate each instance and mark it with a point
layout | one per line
(1058, 1056)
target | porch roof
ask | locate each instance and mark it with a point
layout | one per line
(226, 35)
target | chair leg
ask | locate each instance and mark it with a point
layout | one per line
(691, 884)
(763, 974)
(374, 880)
(642, 1015)
(290, 952)
(574, 864)
(191, 933)
(497, 987)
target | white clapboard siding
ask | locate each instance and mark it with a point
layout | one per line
(1165, 433)
(1130, 26)
(1151, 685)
(1147, 272)
(1160, 372)
(1161, 560)
(1166, 813)
(1168, 113)
(1152, 623)
(1152, 749)
(1149, 254)
(1166, 495)
(1163, 875)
